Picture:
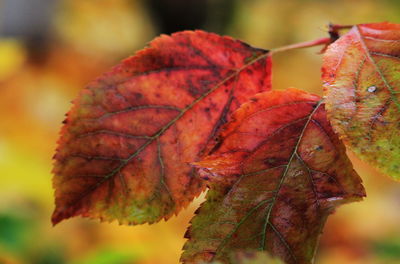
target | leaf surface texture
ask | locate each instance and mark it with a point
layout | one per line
(361, 74)
(125, 147)
(276, 174)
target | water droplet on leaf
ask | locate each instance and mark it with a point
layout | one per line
(371, 89)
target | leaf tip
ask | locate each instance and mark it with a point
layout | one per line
(57, 217)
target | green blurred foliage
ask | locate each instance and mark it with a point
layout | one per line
(22, 239)
(108, 256)
(15, 232)
(388, 248)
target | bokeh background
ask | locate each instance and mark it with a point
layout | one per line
(49, 50)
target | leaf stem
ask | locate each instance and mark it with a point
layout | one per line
(333, 30)
(307, 44)
(336, 27)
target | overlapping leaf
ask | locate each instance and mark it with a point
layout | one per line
(276, 174)
(361, 74)
(124, 150)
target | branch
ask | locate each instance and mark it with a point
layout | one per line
(333, 30)
(307, 44)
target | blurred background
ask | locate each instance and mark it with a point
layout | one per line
(49, 50)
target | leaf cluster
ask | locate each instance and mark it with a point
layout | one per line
(195, 110)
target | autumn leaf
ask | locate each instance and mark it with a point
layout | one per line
(276, 174)
(125, 147)
(361, 74)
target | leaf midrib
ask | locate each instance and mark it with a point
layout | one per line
(368, 52)
(294, 153)
(276, 191)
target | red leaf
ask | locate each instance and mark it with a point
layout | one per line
(361, 79)
(276, 175)
(124, 149)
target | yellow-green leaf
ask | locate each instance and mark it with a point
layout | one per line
(361, 75)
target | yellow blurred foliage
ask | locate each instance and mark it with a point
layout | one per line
(12, 56)
(113, 27)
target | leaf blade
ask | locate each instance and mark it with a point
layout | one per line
(274, 194)
(124, 148)
(360, 74)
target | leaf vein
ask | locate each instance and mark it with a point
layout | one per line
(368, 52)
(284, 242)
(167, 126)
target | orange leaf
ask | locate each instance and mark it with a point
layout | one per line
(124, 150)
(362, 80)
(277, 173)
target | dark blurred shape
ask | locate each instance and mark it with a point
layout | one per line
(29, 20)
(49, 255)
(177, 15)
